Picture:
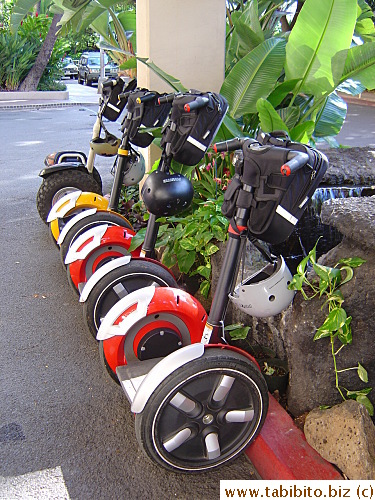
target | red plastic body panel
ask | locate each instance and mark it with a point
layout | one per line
(114, 235)
(166, 300)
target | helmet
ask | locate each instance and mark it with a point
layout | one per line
(166, 194)
(136, 170)
(105, 147)
(266, 292)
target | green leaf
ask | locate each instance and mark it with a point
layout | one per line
(281, 91)
(349, 273)
(269, 118)
(210, 249)
(331, 116)
(354, 394)
(336, 319)
(360, 65)
(131, 63)
(254, 76)
(326, 273)
(318, 44)
(239, 333)
(205, 288)
(204, 271)
(188, 243)
(137, 239)
(345, 333)
(297, 282)
(185, 260)
(321, 334)
(362, 373)
(352, 261)
(367, 403)
(169, 259)
(302, 132)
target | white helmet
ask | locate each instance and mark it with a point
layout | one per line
(266, 292)
(136, 170)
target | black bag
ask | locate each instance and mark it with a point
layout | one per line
(189, 134)
(112, 106)
(149, 114)
(277, 201)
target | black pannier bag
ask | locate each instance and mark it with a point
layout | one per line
(112, 106)
(190, 133)
(150, 114)
(277, 201)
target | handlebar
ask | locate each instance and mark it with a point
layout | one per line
(166, 98)
(150, 96)
(199, 102)
(298, 160)
(231, 145)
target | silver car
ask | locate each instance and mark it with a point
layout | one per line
(70, 68)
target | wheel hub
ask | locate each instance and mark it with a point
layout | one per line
(208, 419)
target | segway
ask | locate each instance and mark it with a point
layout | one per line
(129, 167)
(166, 195)
(68, 171)
(199, 407)
(94, 237)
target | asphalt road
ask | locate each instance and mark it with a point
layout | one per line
(65, 430)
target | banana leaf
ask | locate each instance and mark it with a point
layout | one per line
(360, 65)
(253, 77)
(318, 44)
(171, 80)
(269, 118)
(332, 116)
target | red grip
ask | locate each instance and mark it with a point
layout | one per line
(285, 170)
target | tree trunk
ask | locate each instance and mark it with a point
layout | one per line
(34, 75)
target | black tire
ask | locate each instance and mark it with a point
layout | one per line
(119, 283)
(80, 81)
(204, 423)
(60, 183)
(101, 217)
(88, 82)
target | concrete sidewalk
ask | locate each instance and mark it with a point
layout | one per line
(76, 95)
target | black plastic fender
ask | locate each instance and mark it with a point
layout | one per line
(58, 167)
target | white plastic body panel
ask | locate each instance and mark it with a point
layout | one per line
(100, 273)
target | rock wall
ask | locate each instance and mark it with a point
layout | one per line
(312, 381)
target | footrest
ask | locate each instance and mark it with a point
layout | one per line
(131, 376)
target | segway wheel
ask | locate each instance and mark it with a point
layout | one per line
(58, 184)
(119, 283)
(204, 414)
(100, 217)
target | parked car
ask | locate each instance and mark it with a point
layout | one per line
(70, 69)
(89, 68)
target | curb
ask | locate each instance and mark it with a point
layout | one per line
(28, 105)
(282, 452)
(359, 100)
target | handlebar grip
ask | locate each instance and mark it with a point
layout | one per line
(150, 96)
(199, 102)
(166, 98)
(297, 161)
(230, 145)
(109, 83)
(125, 95)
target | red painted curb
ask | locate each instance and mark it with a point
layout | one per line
(282, 452)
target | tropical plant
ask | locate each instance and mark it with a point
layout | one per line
(289, 80)
(18, 53)
(326, 284)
